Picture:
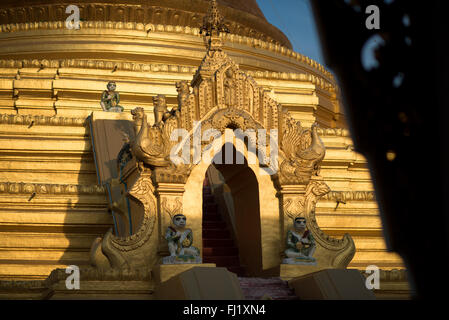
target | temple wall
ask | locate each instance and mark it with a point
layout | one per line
(351, 207)
(51, 208)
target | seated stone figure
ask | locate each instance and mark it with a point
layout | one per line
(180, 240)
(300, 244)
(110, 99)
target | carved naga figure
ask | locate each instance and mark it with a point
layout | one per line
(152, 144)
(148, 146)
(304, 150)
(316, 152)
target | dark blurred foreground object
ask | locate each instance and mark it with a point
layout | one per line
(398, 117)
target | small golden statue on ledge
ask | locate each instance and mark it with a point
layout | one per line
(160, 110)
(110, 99)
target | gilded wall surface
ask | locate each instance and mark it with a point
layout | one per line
(51, 79)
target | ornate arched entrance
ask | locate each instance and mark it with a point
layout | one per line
(255, 210)
(164, 170)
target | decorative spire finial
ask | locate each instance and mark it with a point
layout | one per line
(213, 21)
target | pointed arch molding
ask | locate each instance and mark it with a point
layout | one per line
(221, 96)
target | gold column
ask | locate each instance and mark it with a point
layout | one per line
(288, 195)
(169, 202)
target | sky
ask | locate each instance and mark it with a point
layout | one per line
(295, 19)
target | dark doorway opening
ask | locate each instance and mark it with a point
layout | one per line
(231, 218)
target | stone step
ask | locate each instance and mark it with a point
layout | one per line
(274, 288)
(262, 282)
(218, 246)
(223, 261)
(220, 251)
(270, 296)
(212, 217)
(210, 208)
(214, 225)
(218, 243)
(216, 234)
(208, 199)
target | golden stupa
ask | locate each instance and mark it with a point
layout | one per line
(52, 203)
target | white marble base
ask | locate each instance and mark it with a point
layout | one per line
(177, 260)
(114, 109)
(300, 261)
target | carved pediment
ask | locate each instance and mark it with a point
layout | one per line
(217, 85)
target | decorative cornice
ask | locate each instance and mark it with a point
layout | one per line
(80, 122)
(144, 67)
(28, 188)
(41, 120)
(393, 275)
(86, 274)
(91, 273)
(95, 64)
(56, 189)
(22, 284)
(338, 132)
(233, 38)
(349, 196)
(318, 81)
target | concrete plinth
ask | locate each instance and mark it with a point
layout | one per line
(291, 271)
(332, 284)
(163, 272)
(201, 283)
(104, 290)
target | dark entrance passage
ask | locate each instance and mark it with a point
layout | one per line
(231, 216)
(219, 246)
(231, 238)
